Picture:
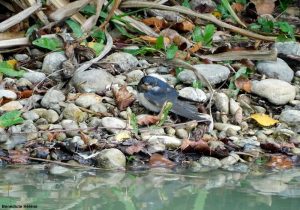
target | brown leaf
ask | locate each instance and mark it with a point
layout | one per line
(185, 26)
(147, 119)
(152, 40)
(244, 84)
(155, 22)
(18, 156)
(199, 146)
(264, 6)
(280, 162)
(195, 47)
(238, 7)
(157, 160)
(25, 93)
(134, 148)
(123, 98)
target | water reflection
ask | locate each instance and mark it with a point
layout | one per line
(158, 189)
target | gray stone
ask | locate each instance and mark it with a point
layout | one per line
(276, 69)
(214, 73)
(169, 141)
(134, 76)
(111, 159)
(59, 170)
(7, 94)
(50, 115)
(210, 162)
(197, 5)
(98, 107)
(193, 94)
(225, 126)
(230, 160)
(145, 135)
(247, 141)
(52, 98)
(113, 124)
(94, 80)
(71, 127)
(182, 133)
(21, 57)
(73, 112)
(22, 82)
(11, 106)
(53, 62)
(288, 48)
(276, 91)
(125, 61)
(222, 102)
(171, 80)
(87, 99)
(291, 117)
(187, 76)
(297, 74)
(34, 77)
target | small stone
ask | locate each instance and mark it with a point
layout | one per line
(134, 76)
(111, 159)
(291, 117)
(170, 131)
(210, 162)
(22, 82)
(276, 91)
(146, 135)
(187, 76)
(225, 126)
(30, 115)
(8, 94)
(58, 170)
(34, 77)
(92, 81)
(247, 141)
(125, 61)
(87, 99)
(193, 94)
(113, 124)
(222, 102)
(288, 48)
(297, 74)
(203, 6)
(53, 62)
(238, 167)
(52, 98)
(98, 107)
(276, 69)
(11, 106)
(71, 127)
(296, 151)
(21, 57)
(230, 160)
(233, 106)
(169, 141)
(171, 80)
(50, 115)
(73, 112)
(182, 133)
(214, 73)
(231, 132)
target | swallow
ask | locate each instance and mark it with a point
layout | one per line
(153, 93)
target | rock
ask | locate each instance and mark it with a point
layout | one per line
(87, 99)
(297, 74)
(276, 69)
(187, 76)
(155, 145)
(73, 112)
(146, 135)
(13, 141)
(113, 124)
(59, 170)
(203, 6)
(193, 94)
(210, 162)
(30, 115)
(52, 98)
(170, 131)
(233, 106)
(222, 102)
(71, 127)
(50, 115)
(3, 135)
(225, 126)
(290, 117)
(92, 81)
(214, 73)
(11, 106)
(276, 91)
(288, 48)
(111, 159)
(238, 167)
(247, 141)
(21, 57)
(99, 107)
(171, 80)
(53, 62)
(230, 160)
(8, 94)
(134, 76)
(182, 133)
(31, 130)
(34, 77)
(125, 61)
(296, 151)
(169, 141)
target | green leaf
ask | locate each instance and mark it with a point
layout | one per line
(209, 31)
(141, 51)
(32, 28)
(134, 123)
(197, 35)
(89, 10)
(48, 43)
(98, 35)
(8, 70)
(178, 70)
(227, 5)
(11, 118)
(197, 84)
(96, 46)
(186, 3)
(160, 43)
(171, 51)
(123, 31)
(76, 28)
(165, 112)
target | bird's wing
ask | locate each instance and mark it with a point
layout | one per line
(159, 96)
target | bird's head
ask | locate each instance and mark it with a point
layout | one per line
(148, 83)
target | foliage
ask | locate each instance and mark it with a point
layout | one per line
(11, 118)
(48, 43)
(204, 37)
(134, 123)
(8, 69)
(197, 84)
(171, 51)
(76, 28)
(242, 72)
(186, 3)
(164, 113)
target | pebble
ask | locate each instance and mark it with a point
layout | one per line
(278, 69)
(134, 76)
(111, 159)
(297, 74)
(87, 99)
(11, 106)
(171, 80)
(193, 94)
(73, 112)
(59, 170)
(112, 122)
(276, 91)
(247, 141)
(170, 131)
(50, 115)
(125, 61)
(21, 57)
(30, 115)
(210, 162)
(7, 94)
(53, 62)
(155, 145)
(288, 48)
(70, 126)
(146, 135)
(214, 73)
(187, 76)
(199, 5)
(222, 102)
(169, 141)
(233, 106)
(230, 160)
(225, 126)
(98, 107)
(52, 98)
(182, 133)
(291, 117)
(34, 77)
(92, 81)
(238, 167)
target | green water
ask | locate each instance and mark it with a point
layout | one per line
(158, 189)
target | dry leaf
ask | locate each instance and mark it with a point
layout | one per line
(185, 26)
(157, 160)
(243, 84)
(133, 149)
(155, 22)
(123, 98)
(152, 40)
(176, 38)
(280, 162)
(264, 6)
(195, 47)
(263, 119)
(238, 7)
(25, 94)
(199, 146)
(18, 156)
(147, 119)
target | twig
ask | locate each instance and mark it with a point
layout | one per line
(183, 10)
(14, 42)
(40, 14)
(111, 13)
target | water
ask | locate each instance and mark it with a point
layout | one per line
(158, 189)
